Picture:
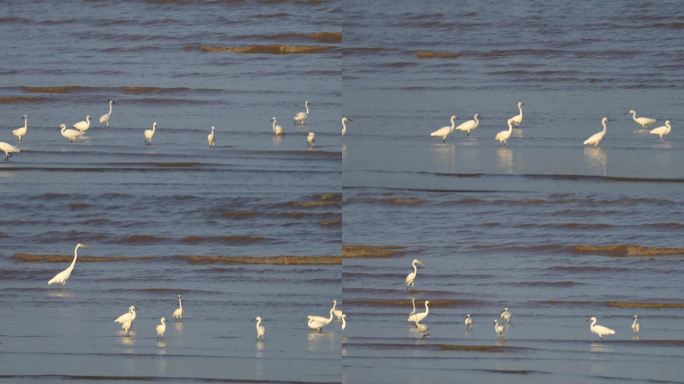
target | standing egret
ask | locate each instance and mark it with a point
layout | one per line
(210, 137)
(104, 119)
(599, 330)
(344, 321)
(635, 325)
(503, 136)
(161, 328)
(70, 134)
(420, 316)
(506, 315)
(468, 321)
(301, 116)
(518, 119)
(500, 329)
(412, 315)
(150, 132)
(83, 125)
(277, 129)
(310, 139)
(178, 313)
(338, 314)
(128, 316)
(469, 125)
(62, 277)
(21, 131)
(344, 125)
(260, 329)
(318, 322)
(642, 121)
(9, 150)
(596, 138)
(445, 131)
(663, 130)
(411, 277)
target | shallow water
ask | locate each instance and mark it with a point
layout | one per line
(553, 230)
(144, 208)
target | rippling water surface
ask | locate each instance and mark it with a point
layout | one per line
(553, 230)
(174, 216)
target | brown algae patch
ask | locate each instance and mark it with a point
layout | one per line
(144, 90)
(34, 258)
(359, 251)
(437, 55)
(238, 214)
(319, 37)
(411, 201)
(264, 260)
(23, 100)
(222, 239)
(644, 305)
(315, 201)
(56, 90)
(273, 49)
(331, 222)
(627, 250)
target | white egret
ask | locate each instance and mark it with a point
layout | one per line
(663, 130)
(70, 134)
(344, 321)
(468, 321)
(128, 316)
(518, 119)
(277, 129)
(62, 277)
(338, 314)
(500, 329)
(149, 133)
(411, 277)
(445, 131)
(161, 328)
(301, 116)
(210, 137)
(9, 150)
(599, 330)
(178, 313)
(420, 316)
(83, 125)
(104, 119)
(469, 125)
(318, 322)
(260, 329)
(635, 325)
(596, 138)
(310, 139)
(21, 131)
(642, 121)
(503, 136)
(412, 315)
(344, 125)
(506, 315)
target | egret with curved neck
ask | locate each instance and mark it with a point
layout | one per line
(642, 121)
(260, 329)
(445, 131)
(300, 117)
(599, 330)
(635, 325)
(411, 277)
(83, 125)
(128, 316)
(149, 133)
(210, 137)
(277, 129)
(104, 119)
(62, 277)
(161, 328)
(69, 134)
(318, 322)
(518, 119)
(422, 315)
(596, 138)
(412, 315)
(344, 125)
(663, 130)
(21, 131)
(469, 125)
(503, 136)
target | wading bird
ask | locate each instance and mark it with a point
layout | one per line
(318, 322)
(178, 313)
(468, 321)
(596, 138)
(503, 136)
(300, 117)
(62, 277)
(445, 131)
(83, 125)
(518, 119)
(104, 119)
(663, 130)
(9, 150)
(260, 329)
(469, 125)
(635, 325)
(210, 137)
(599, 330)
(128, 316)
(70, 134)
(21, 131)
(500, 329)
(344, 125)
(149, 133)
(310, 139)
(642, 121)
(277, 129)
(161, 328)
(506, 315)
(411, 277)
(420, 316)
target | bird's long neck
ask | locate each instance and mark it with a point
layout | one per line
(427, 309)
(415, 268)
(344, 124)
(603, 122)
(163, 321)
(413, 302)
(520, 109)
(274, 122)
(593, 322)
(331, 313)
(110, 106)
(633, 115)
(154, 127)
(258, 322)
(510, 126)
(634, 322)
(453, 123)
(344, 323)
(63, 128)
(26, 122)
(180, 303)
(306, 105)
(476, 119)
(132, 311)
(73, 262)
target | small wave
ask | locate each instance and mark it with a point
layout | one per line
(274, 49)
(566, 283)
(144, 90)
(437, 55)
(277, 15)
(627, 250)
(586, 269)
(143, 239)
(261, 260)
(331, 222)
(320, 200)
(438, 303)
(15, 20)
(79, 206)
(437, 347)
(36, 258)
(64, 89)
(237, 214)
(371, 251)
(222, 239)
(320, 37)
(23, 100)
